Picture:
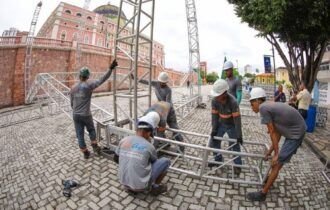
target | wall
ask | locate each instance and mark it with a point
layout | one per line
(54, 56)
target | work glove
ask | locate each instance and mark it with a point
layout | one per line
(113, 64)
(240, 140)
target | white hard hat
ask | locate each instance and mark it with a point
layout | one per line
(219, 87)
(163, 77)
(228, 65)
(151, 118)
(257, 93)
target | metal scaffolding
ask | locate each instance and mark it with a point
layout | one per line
(194, 57)
(129, 39)
(28, 52)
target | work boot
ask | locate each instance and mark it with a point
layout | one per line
(158, 190)
(237, 170)
(96, 149)
(86, 154)
(256, 196)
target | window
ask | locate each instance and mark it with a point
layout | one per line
(86, 40)
(78, 15)
(68, 12)
(89, 18)
(63, 35)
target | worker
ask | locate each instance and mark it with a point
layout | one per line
(164, 93)
(281, 120)
(139, 168)
(235, 84)
(80, 97)
(304, 100)
(279, 96)
(226, 118)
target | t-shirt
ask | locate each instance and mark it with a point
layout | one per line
(234, 85)
(227, 113)
(304, 99)
(163, 109)
(287, 120)
(135, 157)
(280, 98)
(162, 93)
(81, 94)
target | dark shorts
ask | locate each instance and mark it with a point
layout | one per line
(289, 148)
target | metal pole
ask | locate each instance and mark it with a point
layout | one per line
(274, 68)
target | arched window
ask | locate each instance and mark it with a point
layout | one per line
(78, 15)
(86, 40)
(63, 36)
(89, 18)
(68, 12)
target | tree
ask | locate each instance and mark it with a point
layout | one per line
(301, 25)
(211, 77)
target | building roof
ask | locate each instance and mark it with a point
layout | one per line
(265, 75)
(110, 11)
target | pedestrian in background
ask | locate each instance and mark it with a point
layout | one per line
(281, 120)
(304, 100)
(80, 97)
(279, 95)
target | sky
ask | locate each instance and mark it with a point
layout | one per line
(221, 32)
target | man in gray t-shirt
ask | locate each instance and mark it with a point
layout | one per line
(80, 98)
(235, 84)
(139, 168)
(281, 120)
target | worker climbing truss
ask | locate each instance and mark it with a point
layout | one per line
(28, 53)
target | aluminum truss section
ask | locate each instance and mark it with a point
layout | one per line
(129, 40)
(326, 171)
(28, 52)
(21, 115)
(59, 94)
(194, 56)
(194, 161)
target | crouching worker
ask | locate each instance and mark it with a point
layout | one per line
(139, 168)
(226, 118)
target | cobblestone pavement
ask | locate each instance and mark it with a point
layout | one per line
(37, 155)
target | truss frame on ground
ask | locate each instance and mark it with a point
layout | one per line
(203, 158)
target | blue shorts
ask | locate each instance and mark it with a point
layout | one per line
(159, 167)
(289, 148)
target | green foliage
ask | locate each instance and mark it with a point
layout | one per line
(302, 25)
(249, 75)
(211, 77)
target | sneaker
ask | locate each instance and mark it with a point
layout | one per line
(256, 196)
(237, 170)
(158, 190)
(181, 148)
(70, 183)
(211, 165)
(67, 192)
(96, 149)
(86, 154)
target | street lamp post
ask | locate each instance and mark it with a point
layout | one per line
(274, 68)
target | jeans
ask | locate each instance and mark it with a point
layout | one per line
(289, 148)
(159, 167)
(172, 123)
(230, 130)
(80, 122)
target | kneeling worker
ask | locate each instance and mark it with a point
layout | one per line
(281, 120)
(139, 168)
(226, 118)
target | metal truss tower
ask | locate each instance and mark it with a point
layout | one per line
(28, 52)
(133, 35)
(194, 57)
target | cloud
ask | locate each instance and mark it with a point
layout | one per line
(220, 30)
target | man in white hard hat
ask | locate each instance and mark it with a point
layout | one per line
(80, 98)
(164, 93)
(235, 84)
(226, 118)
(139, 168)
(281, 120)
